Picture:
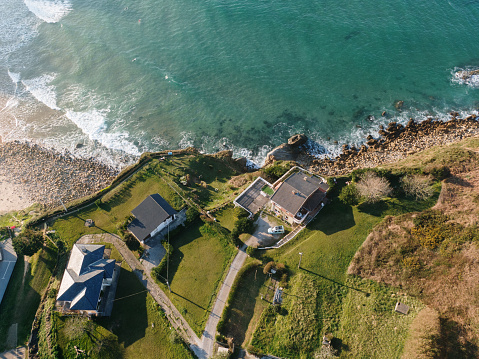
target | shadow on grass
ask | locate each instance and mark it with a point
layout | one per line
(129, 318)
(338, 283)
(335, 217)
(451, 345)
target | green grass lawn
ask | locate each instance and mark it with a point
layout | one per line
(369, 327)
(328, 245)
(197, 266)
(139, 324)
(214, 172)
(226, 216)
(23, 295)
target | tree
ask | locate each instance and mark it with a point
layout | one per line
(373, 188)
(28, 242)
(417, 186)
(349, 194)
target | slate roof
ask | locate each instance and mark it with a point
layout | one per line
(86, 269)
(149, 214)
(295, 191)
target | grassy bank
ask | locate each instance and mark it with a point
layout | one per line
(23, 294)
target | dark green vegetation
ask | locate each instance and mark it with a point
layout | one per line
(200, 259)
(23, 294)
(28, 242)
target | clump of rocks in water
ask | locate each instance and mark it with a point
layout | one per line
(396, 142)
(47, 176)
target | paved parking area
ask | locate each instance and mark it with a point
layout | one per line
(9, 258)
(261, 237)
(251, 198)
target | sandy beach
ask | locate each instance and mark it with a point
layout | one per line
(12, 196)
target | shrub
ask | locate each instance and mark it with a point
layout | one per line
(243, 225)
(28, 242)
(438, 172)
(191, 214)
(251, 251)
(373, 188)
(417, 186)
(240, 212)
(349, 194)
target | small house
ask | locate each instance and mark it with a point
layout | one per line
(299, 196)
(151, 216)
(85, 281)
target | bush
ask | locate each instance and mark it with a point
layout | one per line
(251, 251)
(438, 172)
(240, 212)
(191, 214)
(417, 186)
(28, 242)
(373, 188)
(243, 225)
(349, 194)
(130, 241)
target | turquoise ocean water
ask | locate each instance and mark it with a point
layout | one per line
(124, 76)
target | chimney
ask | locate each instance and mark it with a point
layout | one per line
(305, 178)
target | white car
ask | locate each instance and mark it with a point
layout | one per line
(276, 230)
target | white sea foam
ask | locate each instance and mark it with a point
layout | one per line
(14, 76)
(49, 11)
(93, 124)
(41, 89)
(468, 76)
(187, 140)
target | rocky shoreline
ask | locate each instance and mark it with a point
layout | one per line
(396, 142)
(45, 176)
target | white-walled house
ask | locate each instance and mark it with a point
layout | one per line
(151, 216)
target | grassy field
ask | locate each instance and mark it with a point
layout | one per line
(320, 291)
(23, 294)
(372, 328)
(197, 266)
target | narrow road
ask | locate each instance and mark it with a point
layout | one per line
(173, 315)
(208, 337)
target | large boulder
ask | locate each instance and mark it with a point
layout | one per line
(297, 140)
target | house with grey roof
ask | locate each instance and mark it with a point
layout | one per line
(86, 279)
(298, 197)
(151, 216)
